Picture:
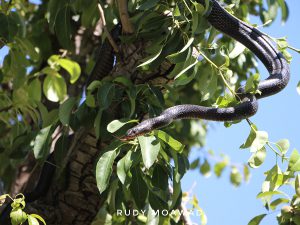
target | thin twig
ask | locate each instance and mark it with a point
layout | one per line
(123, 11)
(109, 37)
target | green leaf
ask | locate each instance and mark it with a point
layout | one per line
(209, 85)
(257, 158)
(237, 50)
(283, 145)
(39, 218)
(97, 123)
(3, 198)
(282, 43)
(89, 14)
(294, 162)
(105, 95)
(252, 83)
(182, 54)
(205, 168)
(151, 58)
(18, 216)
(9, 27)
(219, 167)
(246, 173)
(115, 125)
(194, 164)
(55, 87)
(256, 140)
(124, 166)
(152, 217)
(138, 188)
(63, 26)
(268, 194)
(104, 166)
(260, 140)
(176, 145)
(53, 9)
(251, 137)
(187, 66)
(28, 48)
(297, 185)
(72, 67)
(150, 147)
(277, 202)
(256, 220)
(284, 10)
(42, 143)
(298, 87)
(35, 90)
(65, 110)
(90, 100)
(271, 13)
(146, 5)
(198, 7)
(32, 220)
(235, 177)
(160, 178)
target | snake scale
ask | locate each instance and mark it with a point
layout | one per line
(260, 45)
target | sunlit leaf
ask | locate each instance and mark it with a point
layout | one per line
(115, 125)
(41, 143)
(104, 165)
(235, 177)
(150, 147)
(32, 220)
(298, 87)
(256, 220)
(72, 67)
(205, 168)
(55, 87)
(257, 158)
(277, 202)
(18, 216)
(176, 145)
(283, 145)
(38, 217)
(294, 162)
(237, 50)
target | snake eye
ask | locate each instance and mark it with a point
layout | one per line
(131, 133)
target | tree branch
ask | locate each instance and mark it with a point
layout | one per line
(109, 37)
(123, 11)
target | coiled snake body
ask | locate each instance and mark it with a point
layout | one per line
(260, 45)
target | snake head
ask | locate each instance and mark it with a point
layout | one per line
(138, 130)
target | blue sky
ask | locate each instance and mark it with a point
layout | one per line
(279, 115)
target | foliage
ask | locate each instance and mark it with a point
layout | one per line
(17, 215)
(43, 78)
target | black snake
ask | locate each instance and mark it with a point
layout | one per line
(254, 40)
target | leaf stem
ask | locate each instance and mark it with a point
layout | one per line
(186, 5)
(294, 49)
(271, 147)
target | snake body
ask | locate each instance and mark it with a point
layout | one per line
(106, 57)
(260, 45)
